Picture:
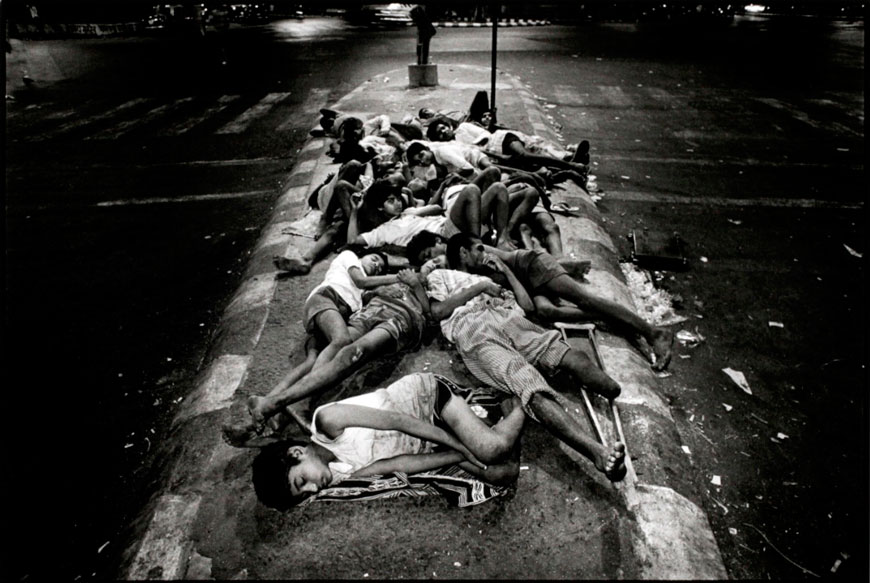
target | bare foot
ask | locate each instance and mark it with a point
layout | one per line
(256, 407)
(246, 435)
(613, 465)
(662, 346)
(576, 269)
(294, 265)
(509, 404)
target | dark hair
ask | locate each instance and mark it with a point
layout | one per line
(455, 243)
(431, 134)
(420, 242)
(379, 191)
(479, 106)
(415, 148)
(380, 254)
(269, 474)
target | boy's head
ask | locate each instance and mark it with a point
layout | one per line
(386, 197)
(424, 246)
(271, 475)
(349, 128)
(464, 251)
(419, 154)
(439, 130)
(374, 263)
(426, 113)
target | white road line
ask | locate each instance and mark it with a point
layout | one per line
(192, 122)
(569, 95)
(741, 162)
(242, 122)
(189, 198)
(802, 117)
(761, 201)
(69, 126)
(615, 96)
(129, 125)
(315, 101)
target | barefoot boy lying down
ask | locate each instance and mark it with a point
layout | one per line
(396, 429)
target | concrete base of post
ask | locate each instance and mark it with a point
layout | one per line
(423, 75)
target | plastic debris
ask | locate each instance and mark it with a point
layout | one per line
(727, 406)
(732, 531)
(629, 178)
(703, 259)
(735, 221)
(686, 449)
(773, 324)
(852, 251)
(836, 565)
(102, 546)
(457, 564)
(524, 467)
(689, 339)
(781, 436)
(716, 481)
(739, 379)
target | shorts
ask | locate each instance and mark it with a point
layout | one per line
(402, 324)
(536, 268)
(323, 299)
(448, 229)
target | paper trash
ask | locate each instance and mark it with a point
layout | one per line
(739, 379)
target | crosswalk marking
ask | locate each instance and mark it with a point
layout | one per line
(315, 101)
(75, 124)
(184, 126)
(239, 124)
(122, 128)
(804, 118)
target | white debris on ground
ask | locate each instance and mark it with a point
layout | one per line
(654, 305)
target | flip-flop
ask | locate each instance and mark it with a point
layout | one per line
(565, 209)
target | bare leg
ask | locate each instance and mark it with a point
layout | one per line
(489, 445)
(609, 461)
(466, 210)
(521, 203)
(525, 232)
(660, 339)
(376, 342)
(495, 210)
(520, 156)
(549, 232)
(589, 374)
(322, 247)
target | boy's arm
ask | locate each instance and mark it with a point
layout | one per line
(443, 309)
(411, 279)
(411, 463)
(333, 419)
(520, 293)
(425, 210)
(353, 234)
(363, 281)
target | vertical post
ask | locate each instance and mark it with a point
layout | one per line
(495, 11)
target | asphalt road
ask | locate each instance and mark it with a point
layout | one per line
(138, 178)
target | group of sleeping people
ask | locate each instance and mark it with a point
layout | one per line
(456, 221)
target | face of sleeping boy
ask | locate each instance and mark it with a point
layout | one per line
(422, 158)
(372, 264)
(437, 262)
(443, 132)
(437, 250)
(393, 205)
(310, 475)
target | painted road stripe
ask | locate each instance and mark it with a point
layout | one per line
(615, 96)
(222, 379)
(242, 122)
(190, 198)
(804, 118)
(182, 127)
(745, 162)
(75, 124)
(315, 101)
(129, 125)
(164, 549)
(761, 201)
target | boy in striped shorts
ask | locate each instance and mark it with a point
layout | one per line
(502, 348)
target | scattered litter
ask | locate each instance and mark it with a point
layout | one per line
(524, 467)
(574, 56)
(207, 237)
(746, 454)
(655, 305)
(664, 374)
(759, 418)
(703, 259)
(852, 251)
(774, 440)
(838, 562)
(386, 79)
(781, 436)
(842, 149)
(686, 449)
(735, 221)
(102, 546)
(789, 483)
(716, 481)
(732, 531)
(128, 445)
(629, 178)
(773, 324)
(685, 356)
(689, 339)
(549, 105)
(767, 540)
(457, 564)
(690, 150)
(739, 379)
(727, 406)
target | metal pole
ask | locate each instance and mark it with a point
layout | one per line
(495, 10)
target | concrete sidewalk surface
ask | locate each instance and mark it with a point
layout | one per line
(563, 519)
